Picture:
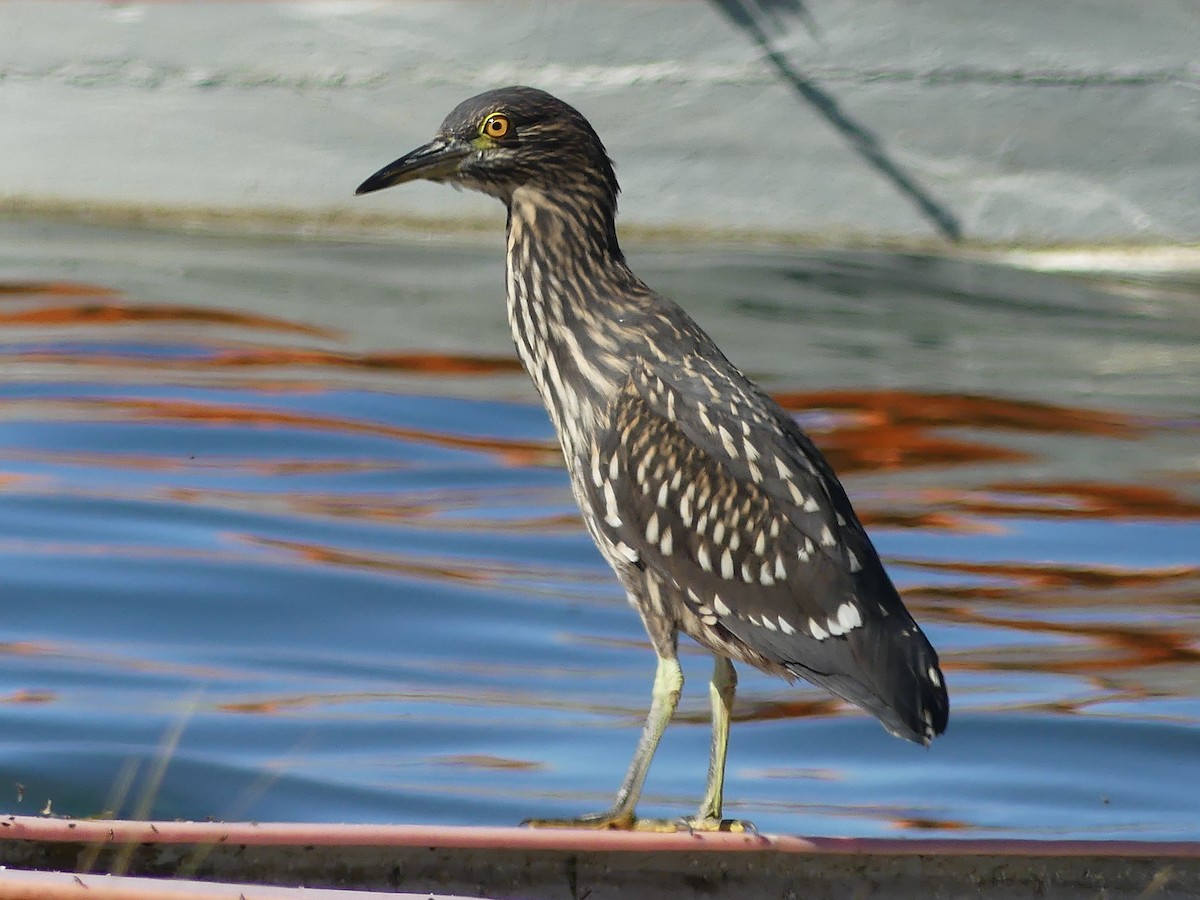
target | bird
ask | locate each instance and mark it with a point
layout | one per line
(721, 519)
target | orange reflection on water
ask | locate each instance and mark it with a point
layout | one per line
(925, 823)
(418, 363)
(328, 703)
(891, 429)
(103, 659)
(925, 520)
(430, 509)
(1115, 647)
(29, 696)
(446, 364)
(755, 710)
(53, 289)
(511, 450)
(145, 462)
(117, 313)
(316, 553)
(1065, 601)
(899, 407)
(480, 573)
(25, 648)
(885, 446)
(1083, 500)
(1058, 575)
(488, 761)
(273, 705)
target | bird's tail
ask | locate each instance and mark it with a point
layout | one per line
(896, 678)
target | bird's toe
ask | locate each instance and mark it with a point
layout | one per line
(615, 820)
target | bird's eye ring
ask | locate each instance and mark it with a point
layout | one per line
(495, 126)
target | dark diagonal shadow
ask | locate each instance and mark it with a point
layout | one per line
(759, 19)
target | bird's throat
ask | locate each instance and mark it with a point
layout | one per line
(565, 290)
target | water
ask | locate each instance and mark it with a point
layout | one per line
(284, 535)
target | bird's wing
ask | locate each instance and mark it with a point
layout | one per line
(698, 476)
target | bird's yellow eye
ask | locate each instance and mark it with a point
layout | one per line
(495, 126)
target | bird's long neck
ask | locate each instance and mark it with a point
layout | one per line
(569, 291)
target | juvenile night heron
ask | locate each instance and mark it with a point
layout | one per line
(719, 516)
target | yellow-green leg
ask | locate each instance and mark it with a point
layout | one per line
(668, 683)
(721, 689)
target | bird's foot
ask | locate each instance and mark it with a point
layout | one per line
(613, 819)
(616, 820)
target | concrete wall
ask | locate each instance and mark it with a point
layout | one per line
(832, 120)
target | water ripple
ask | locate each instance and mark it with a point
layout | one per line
(350, 575)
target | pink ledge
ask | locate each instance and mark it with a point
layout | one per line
(283, 834)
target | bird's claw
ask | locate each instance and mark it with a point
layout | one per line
(700, 824)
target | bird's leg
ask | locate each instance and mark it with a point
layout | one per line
(668, 683)
(722, 689)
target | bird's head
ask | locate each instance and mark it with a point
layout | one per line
(506, 139)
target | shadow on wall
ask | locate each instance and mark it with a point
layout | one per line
(759, 20)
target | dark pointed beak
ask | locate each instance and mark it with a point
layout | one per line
(435, 161)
